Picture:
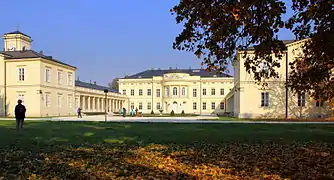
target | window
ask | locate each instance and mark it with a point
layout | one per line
(301, 99)
(174, 91)
(204, 92)
(140, 92)
(140, 106)
(183, 91)
(194, 106)
(213, 105)
(21, 74)
(158, 92)
(59, 100)
(158, 106)
(69, 101)
(132, 105)
(213, 92)
(222, 91)
(70, 79)
(264, 99)
(149, 106)
(149, 92)
(319, 104)
(47, 100)
(124, 91)
(194, 92)
(21, 97)
(167, 92)
(222, 105)
(60, 77)
(204, 105)
(132, 92)
(47, 75)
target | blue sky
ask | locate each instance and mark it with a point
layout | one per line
(104, 38)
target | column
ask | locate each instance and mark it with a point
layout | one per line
(88, 107)
(83, 102)
(109, 105)
(93, 104)
(103, 104)
(98, 105)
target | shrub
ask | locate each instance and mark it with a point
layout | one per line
(152, 112)
(172, 113)
(182, 113)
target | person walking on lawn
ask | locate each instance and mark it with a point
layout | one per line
(79, 112)
(20, 114)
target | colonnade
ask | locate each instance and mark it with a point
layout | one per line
(98, 104)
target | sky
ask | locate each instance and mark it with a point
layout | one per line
(104, 39)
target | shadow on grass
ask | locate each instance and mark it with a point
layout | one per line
(85, 150)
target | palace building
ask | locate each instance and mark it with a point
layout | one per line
(193, 91)
(46, 85)
(249, 100)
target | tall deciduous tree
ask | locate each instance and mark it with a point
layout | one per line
(114, 84)
(215, 29)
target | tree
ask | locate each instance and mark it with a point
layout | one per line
(114, 84)
(215, 29)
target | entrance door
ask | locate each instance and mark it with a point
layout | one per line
(175, 107)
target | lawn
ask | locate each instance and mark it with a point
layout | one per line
(91, 150)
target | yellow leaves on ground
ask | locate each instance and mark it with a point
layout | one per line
(155, 161)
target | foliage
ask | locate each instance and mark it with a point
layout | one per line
(172, 113)
(114, 84)
(91, 150)
(152, 112)
(215, 30)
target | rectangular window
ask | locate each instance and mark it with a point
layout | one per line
(158, 106)
(264, 99)
(204, 92)
(140, 92)
(301, 99)
(213, 105)
(222, 91)
(204, 105)
(158, 92)
(21, 74)
(60, 77)
(69, 101)
(70, 79)
(59, 100)
(194, 92)
(21, 97)
(47, 75)
(194, 106)
(213, 92)
(132, 92)
(140, 106)
(149, 106)
(222, 105)
(124, 91)
(47, 100)
(149, 92)
(132, 106)
(319, 104)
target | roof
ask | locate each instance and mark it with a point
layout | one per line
(18, 32)
(161, 72)
(94, 86)
(285, 42)
(30, 54)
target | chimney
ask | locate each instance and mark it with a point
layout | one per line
(170, 68)
(78, 78)
(41, 52)
(90, 81)
(94, 82)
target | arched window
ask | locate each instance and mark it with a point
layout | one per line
(167, 92)
(174, 91)
(183, 91)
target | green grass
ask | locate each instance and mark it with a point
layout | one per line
(46, 132)
(95, 150)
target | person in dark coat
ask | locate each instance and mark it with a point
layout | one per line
(79, 112)
(124, 112)
(20, 114)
